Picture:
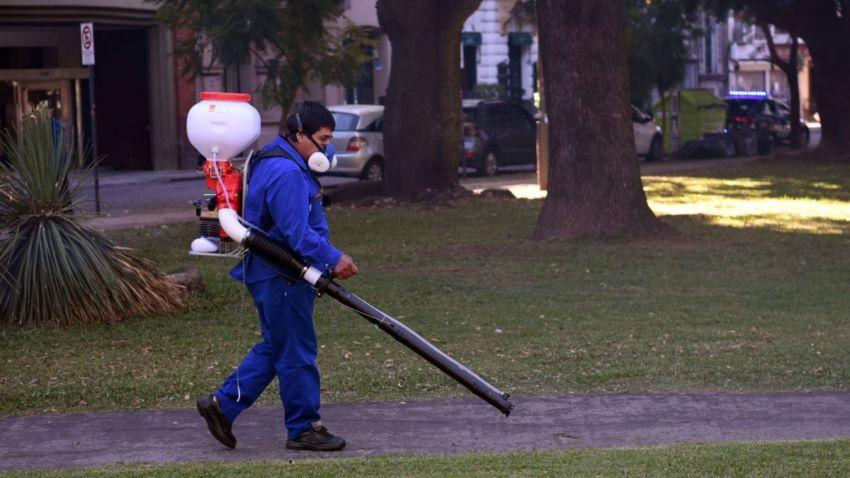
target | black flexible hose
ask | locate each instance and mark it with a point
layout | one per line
(261, 244)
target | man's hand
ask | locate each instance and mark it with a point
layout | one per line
(345, 268)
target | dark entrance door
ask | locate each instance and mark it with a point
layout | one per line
(515, 72)
(122, 97)
(470, 70)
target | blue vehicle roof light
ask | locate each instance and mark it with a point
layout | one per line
(748, 94)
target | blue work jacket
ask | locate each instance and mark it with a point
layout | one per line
(284, 201)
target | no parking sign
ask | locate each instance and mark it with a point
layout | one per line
(87, 43)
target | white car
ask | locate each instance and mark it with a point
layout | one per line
(359, 141)
(649, 142)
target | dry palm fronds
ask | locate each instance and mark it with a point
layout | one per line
(54, 270)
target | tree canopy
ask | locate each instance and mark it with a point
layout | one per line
(656, 34)
(825, 27)
(295, 42)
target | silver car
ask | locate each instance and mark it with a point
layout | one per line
(359, 141)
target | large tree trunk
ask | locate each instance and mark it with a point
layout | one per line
(827, 35)
(595, 188)
(832, 89)
(794, 91)
(422, 120)
(825, 27)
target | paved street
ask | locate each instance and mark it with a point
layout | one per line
(431, 427)
(152, 192)
(139, 191)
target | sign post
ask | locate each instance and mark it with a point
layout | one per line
(87, 49)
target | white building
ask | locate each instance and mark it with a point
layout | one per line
(136, 81)
(734, 55)
(499, 47)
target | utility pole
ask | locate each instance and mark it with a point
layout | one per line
(542, 131)
(87, 47)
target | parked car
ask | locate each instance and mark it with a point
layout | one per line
(499, 133)
(768, 119)
(359, 141)
(648, 140)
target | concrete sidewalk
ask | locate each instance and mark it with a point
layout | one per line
(149, 198)
(431, 427)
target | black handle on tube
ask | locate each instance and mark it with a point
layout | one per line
(260, 243)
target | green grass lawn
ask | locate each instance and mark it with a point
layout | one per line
(753, 294)
(815, 459)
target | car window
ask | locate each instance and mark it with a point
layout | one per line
(772, 107)
(345, 121)
(637, 116)
(518, 118)
(498, 116)
(508, 116)
(469, 115)
(376, 126)
(745, 107)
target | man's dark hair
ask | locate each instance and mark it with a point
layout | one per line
(310, 117)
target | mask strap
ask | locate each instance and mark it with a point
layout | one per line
(317, 145)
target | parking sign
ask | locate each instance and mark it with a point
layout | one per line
(87, 43)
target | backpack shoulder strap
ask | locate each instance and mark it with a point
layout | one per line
(276, 152)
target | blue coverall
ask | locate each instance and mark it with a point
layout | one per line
(284, 201)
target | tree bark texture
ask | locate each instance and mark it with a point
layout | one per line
(832, 90)
(825, 27)
(422, 119)
(594, 188)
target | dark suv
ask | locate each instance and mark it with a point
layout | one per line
(496, 134)
(770, 120)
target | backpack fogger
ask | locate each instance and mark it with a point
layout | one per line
(221, 126)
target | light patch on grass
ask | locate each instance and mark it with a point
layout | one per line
(714, 308)
(742, 202)
(776, 201)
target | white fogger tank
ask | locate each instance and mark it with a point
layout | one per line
(220, 126)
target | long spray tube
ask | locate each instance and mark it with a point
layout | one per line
(259, 243)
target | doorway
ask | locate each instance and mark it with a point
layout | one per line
(122, 98)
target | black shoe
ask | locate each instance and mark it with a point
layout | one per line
(218, 424)
(317, 438)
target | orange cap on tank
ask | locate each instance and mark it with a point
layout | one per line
(217, 95)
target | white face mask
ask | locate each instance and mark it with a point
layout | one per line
(320, 163)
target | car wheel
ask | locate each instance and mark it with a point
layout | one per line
(656, 151)
(489, 164)
(373, 171)
(804, 138)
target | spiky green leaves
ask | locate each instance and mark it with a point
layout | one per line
(53, 270)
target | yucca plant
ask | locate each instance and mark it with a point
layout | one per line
(53, 269)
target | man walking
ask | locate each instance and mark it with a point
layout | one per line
(285, 200)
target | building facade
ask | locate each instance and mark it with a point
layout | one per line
(499, 52)
(134, 76)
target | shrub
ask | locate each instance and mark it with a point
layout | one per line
(56, 270)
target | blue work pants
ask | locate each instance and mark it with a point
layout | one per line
(288, 350)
